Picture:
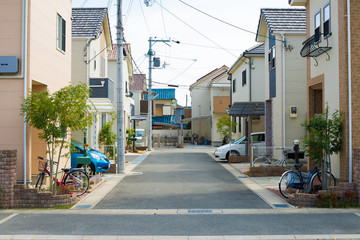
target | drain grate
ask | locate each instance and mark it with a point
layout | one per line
(83, 206)
(281, 205)
(200, 211)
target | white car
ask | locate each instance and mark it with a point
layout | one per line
(239, 147)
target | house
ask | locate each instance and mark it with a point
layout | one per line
(282, 31)
(36, 50)
(333, 69)
(91, 40)
(137, 88)
(164, 102)
(128, 79)
(209, 100)
(248, 85)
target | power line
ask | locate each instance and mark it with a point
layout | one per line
(162, 15)
(142, 10)
(128, 11)
(196, 30)
(232, 25)
(182, 72)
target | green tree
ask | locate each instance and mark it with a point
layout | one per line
(107, 137)
(323, 138)
(223, 126)
(53, 114)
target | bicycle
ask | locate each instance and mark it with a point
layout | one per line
(267, 160)
(76, 179)
(295, 181)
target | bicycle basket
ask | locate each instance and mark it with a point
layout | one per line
(42, 164)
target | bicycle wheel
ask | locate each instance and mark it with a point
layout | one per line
(316, 181)
(290, 182)
(77, 181)
(261, 161)
(40, 180)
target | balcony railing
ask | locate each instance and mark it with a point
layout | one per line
(311, 47)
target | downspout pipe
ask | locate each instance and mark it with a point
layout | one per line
(283, 88)
(349, 89)
(24, 38)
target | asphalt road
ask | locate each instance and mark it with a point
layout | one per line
(180, 194)
(175, 179)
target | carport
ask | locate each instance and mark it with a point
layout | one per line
(248, 110)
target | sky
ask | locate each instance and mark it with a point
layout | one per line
(205, 43)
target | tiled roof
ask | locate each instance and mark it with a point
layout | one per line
(87, 22)
(163, 93)
(213, 74)
(139, 83)
(258, 49)
(113, 53)
(285, 19)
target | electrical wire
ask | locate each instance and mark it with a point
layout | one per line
(196, 30)
(83, 4)
(182, 72)
(142, 10)
(232, 25)
(162, 15)
(128, 11)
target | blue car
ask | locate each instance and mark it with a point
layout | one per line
(99, 162)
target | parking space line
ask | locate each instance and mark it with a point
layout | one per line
(8, 218)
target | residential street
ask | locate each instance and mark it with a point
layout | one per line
(180, 192)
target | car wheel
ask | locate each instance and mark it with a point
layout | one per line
(89, 169)
(232, 153)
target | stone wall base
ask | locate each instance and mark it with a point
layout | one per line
(311, 200)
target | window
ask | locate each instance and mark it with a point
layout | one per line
(234, 85)
(317, 26)
(61, 33)
(240, 124)
(234, 126)
(273, 57)
(326, 24)
(103, 120)
(244, 77)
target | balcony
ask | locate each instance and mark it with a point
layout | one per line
(102, 88)
(311, 47)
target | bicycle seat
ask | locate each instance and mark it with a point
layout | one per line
(66, 170)
(298, 165)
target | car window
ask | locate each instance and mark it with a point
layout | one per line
(241, 140)
(75, 149)
(258, 138)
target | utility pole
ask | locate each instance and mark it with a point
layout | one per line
(150, 54)
(120, 93)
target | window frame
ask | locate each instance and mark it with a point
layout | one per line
(234, 85)
(327, 5)
(60, 33)
(317, 30)
(243, 74)
(273, 57)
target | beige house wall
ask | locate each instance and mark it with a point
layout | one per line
(47, 68)
(242, 93)
(327, 68)
(295, 91)
(200, 106)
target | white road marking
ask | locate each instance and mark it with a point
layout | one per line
(8, 218)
